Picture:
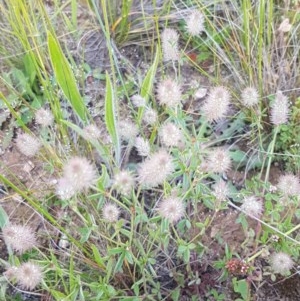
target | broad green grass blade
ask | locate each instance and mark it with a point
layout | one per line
(65, 77)
(147, 85)
(110, 118)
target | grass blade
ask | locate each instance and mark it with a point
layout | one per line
(147, 85)
(65, 77)
(110, 118)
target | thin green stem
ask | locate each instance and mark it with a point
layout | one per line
(270, 153)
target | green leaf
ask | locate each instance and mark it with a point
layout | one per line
(241, 287)
(97, 256)
(238, 156)
(115, 251)
(126, 233)
(119, 263)
(58, 295)
(65, 77)
(147, 85)
(175, 294)
(85, 233)
(136, 287)
(3, 217)
(8, 137)
(29, 68)
(128, 257)
(20, 81)
(110, 118)
(191, 246)
(104, 180)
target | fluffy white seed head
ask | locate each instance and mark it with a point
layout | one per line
(281, 263)
(155, 169)
(285, 26)
(200, 93)
(150, 116)
(65, 189)
(80, 172)
(138, 101)
(169, 93)
(142, 146)
(44, 117)
(217, 104)
(29, 276)
(128, 130)
(280, 109)
(19, 238)
(171, 208)
(252, 206)
(169, 41)
(289, 184)
(218, 160)
(221, 190)
(124, 182)
(27, 144)
(250, 97)
(91, 132)
(170, 135)
(195, 23)
(111, 212)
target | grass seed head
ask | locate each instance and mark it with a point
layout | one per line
(19, 238)
(142, 146)
(80, 172)
(285, 26)
(111, 212)
(150, 116)
(195, 23)
(29, 276)
(65, 189)
(221, 190)
(27, 144)
(91, 132)
(169, 40)
(250, 97)
(281, 263)
(170, 135)
(252, 206)
(127, 130)
(155, 169)
(289, 184)
(171, 208)
(218, 160)
(138, 101)
(280, 109)
(169, 93)
(124, 182)
(217, 104)
(44, 117)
